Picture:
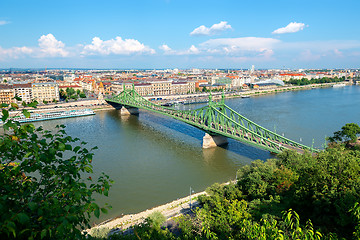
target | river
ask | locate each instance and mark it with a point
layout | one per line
(154, 159)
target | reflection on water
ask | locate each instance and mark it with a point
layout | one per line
(155, 159)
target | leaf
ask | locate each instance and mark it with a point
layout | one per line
(26, 113)
(14, 105)
(76, 149)
(97, 211)
(5, 114)
(43, 233)
(23, 218)
(32, 206)
(17, 98)
(61, 146)
(104, 210)
(4, 105)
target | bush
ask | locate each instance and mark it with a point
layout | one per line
(46, 184)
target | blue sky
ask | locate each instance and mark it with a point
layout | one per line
(179, 34)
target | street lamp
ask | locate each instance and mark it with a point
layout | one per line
(191, 191)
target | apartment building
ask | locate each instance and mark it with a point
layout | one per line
(183, 87)
(156, 87)
(161, 87)
(45, 91)
(23, 91)
(144, 89)
(7, 93)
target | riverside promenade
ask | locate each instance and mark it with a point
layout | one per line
(99, 105)
(169, 210)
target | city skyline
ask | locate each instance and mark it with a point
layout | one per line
(179, 34)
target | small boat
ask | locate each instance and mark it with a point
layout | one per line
(245, 96)
(167, 104)
(339, 85)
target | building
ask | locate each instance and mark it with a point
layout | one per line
(45, 91)
(161, 87)
(144, 89)
(156, 87)
(7, 93)
(182, 87)
(287, 76)
(24, 91)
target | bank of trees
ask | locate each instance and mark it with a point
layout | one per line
(292, 196)
(71, 93)
(46, 185)
(305, 81)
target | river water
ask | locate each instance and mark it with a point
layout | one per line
(154, 159)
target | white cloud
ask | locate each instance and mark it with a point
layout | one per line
(116, 46)
(50, 47)
(308, 55)
(190, 51)
(165, 48)
(290, 28)
(235, 45)
(214, 29)
(14, 53)
(193, 50)
(2, 22)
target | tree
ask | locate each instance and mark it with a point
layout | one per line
(46, 187)
(70, 92)
(348, 133)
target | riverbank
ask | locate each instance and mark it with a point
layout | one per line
(101, 105)
(169, 210)
(258, 92)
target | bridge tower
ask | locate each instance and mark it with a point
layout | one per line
(211, 140)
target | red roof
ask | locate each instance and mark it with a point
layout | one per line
(70, 86)
(23, 85)
(292, 74)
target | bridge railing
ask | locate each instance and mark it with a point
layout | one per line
(218, 118)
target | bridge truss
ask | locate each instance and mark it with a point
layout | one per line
(216, 119)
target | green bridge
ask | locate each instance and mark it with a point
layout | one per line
(216, 119)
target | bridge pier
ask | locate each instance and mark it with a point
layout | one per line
(129, 111)
(210, 141)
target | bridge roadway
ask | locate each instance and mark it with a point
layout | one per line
(216, 119)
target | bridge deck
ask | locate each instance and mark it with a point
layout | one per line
(216, 119)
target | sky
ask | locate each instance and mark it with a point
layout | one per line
(157, 34)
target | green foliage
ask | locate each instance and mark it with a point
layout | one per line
(144, 231)
(305, 81)
(257, 179)
(348, 132)
(46, 184)
(70, 93)
(269, 198)
(100, 233)
(355, 211)
(155, 219)
(328, 186)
